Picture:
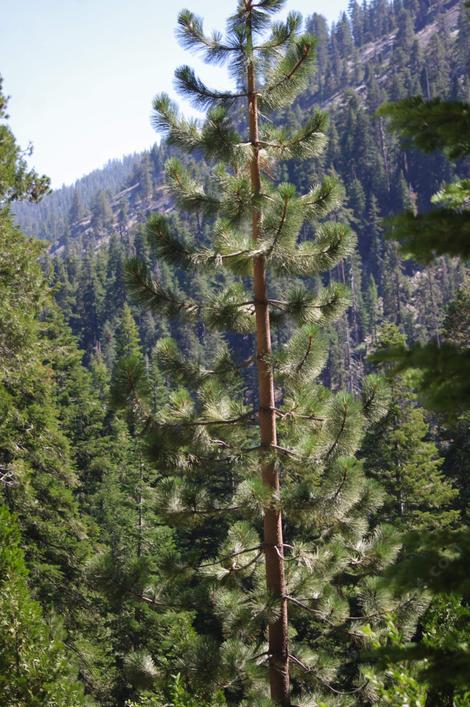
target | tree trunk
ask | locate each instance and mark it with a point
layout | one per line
(273, 536)
(434, 320)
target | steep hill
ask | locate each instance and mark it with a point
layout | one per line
(378, 51)
(361, 55)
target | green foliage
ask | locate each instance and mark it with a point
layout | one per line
(401, 456)
(34, 453)
(436, 560)
(177, 696)
(440, 232)
(453, 195)
(100, 452)
(35, 668)
(444, 384)
(432, 125)
(17, 180)
(402, 683)
(204, 440)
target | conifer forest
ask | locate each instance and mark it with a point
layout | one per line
(235, 380)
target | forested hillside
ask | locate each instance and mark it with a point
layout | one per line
(375, 53)
(221, 485)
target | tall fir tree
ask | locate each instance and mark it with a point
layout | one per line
(399, 453)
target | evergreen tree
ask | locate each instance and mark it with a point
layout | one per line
(399, 454)
(123, 217)
(78, 210)
(115, 296)
(456, 437)
(35, 668)
(218, 453)
(38, 481)
(135, 543)
(101, 211)
(145, 179)
(357, 22)
(91, 304)
(17, 180)
(33, 449)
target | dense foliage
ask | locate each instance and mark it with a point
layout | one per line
(132, 554)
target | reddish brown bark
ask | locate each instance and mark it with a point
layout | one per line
(273, 535)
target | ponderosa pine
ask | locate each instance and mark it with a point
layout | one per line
(266, 479)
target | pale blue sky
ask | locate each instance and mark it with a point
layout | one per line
(82, 73)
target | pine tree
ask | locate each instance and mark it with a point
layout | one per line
(90, 303)
(145, 179)
(373, 309)
(115, 287)
(240, 471)
(34, 450)
(357, 22)
(123, 217)
(399, 454)
(374, 238)
(17, 180)
(101, 211)
(456, 331)
(77, 210)
(135, 543)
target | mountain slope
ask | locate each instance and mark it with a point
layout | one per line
(381, 51)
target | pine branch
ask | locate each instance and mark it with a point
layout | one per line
(281, 34)
(305, 143)
(432, 125)
(325, 683)
(216, 139)
(315, 612)
(205, 423)
(191, 34)
(188, 85)
(248, 564)
(425, 236)
(189, 194)
(219, 139)
(288, 78)
(343, 428)
(178, 131)
(334, 446)
(333, 243)
(151, 294)
(322, 198)
(375, 398)
(167, 245)
(286, 451)
(301, 363)
(320, 308)
(228, 310)
(269, 6)
(285, 205)
(229, 557)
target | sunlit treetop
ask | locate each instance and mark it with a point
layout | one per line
(17, 180)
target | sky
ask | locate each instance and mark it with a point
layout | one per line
(82, 73)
